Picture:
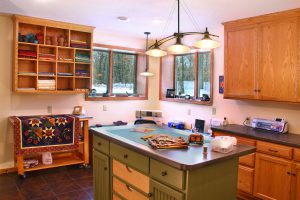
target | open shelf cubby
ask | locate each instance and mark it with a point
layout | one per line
(47, 49)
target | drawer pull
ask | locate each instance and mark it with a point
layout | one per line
(125, 156)
(164, 173)
(99, 143)
(128, 169)
(105, 168)
(289, 173)
(274, 151)
(129, 188)
(150, 194)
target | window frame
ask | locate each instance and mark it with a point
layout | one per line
(111, 49)
(162, 96)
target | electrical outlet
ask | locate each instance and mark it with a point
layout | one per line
(104, 108)
(49, 109)
(214, 111)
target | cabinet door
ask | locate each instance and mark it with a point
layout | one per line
(159, 191)
(272, 177)
(277, 72)
(296, 182)
(101, 176)
(240, 62)
(245, 179)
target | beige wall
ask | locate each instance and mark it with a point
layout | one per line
(20, 104)
(235, 110)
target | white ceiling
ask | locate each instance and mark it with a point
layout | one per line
(102, 13)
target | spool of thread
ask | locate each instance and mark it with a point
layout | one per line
(205, 150)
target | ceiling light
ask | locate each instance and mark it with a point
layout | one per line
(146, 73)
(123, 19)
(178, 47)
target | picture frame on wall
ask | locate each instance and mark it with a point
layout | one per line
(221, 84)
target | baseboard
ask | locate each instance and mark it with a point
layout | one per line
(8, 170)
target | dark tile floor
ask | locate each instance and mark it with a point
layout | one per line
(64, 183)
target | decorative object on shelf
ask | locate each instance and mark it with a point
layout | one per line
(30, 38)
(178, 48)
(40, 38)
(54, 40)
(61, 40)
(77, 110)
(146, 73)
(47, 158)
(170, 93)
(48, 40)
(30, 163)
(221, 84)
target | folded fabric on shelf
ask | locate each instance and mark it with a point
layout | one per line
(26, 54)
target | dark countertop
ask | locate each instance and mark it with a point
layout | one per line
(288, 139)
(185, 159)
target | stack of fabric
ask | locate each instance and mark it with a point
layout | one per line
(46, 84)
(79, 44)
(46, 74)
(46, 56)
(64, 74)
(81, 72)
(27, 54)
(82, 58)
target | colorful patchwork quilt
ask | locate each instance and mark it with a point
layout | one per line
(46, 133)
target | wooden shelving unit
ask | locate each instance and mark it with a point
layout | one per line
(49, 58)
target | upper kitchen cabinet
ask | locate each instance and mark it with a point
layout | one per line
(240, 62)
(262, 57)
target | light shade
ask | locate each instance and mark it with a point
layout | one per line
(147, 74)
(156, 52)
(206, 43)
(178, 49)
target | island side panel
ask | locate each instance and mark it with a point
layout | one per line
(213, 182)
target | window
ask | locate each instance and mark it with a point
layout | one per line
(100, 70)
(190, 75)
(184, 74)
(115, 74)
(204, 73)
(124, 73)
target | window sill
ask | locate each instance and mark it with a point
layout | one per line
(90, 98)
(197, 102)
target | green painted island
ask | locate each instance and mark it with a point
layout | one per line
(126, 167)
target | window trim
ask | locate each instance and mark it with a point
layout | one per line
(196, 91)
(111, 48)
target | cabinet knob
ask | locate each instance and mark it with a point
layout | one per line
(150, 194)
(289, 173)
(164, 173)
(254, 90)
(105, 168)
(99, 143)
(125, 156)
(258, 90)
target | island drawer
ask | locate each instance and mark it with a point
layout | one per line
(126, 191)
(130, 158)
(297, 155)
(101, 144)
(275, 149)
(167, 174)
(131, 176)
(248, 160)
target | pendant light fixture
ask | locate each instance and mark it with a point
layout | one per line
(178, 48)
(146, 73)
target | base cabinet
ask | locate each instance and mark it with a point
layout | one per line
(296, 182)
(159, 191)
(272, 177)
(101, 176)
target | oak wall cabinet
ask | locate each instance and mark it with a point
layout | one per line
(51, 57)
(262, 57)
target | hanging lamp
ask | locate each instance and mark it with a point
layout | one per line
(146, 73)
(178, 48)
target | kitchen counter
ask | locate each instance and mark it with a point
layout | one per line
(288, 139)
(185, 159)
